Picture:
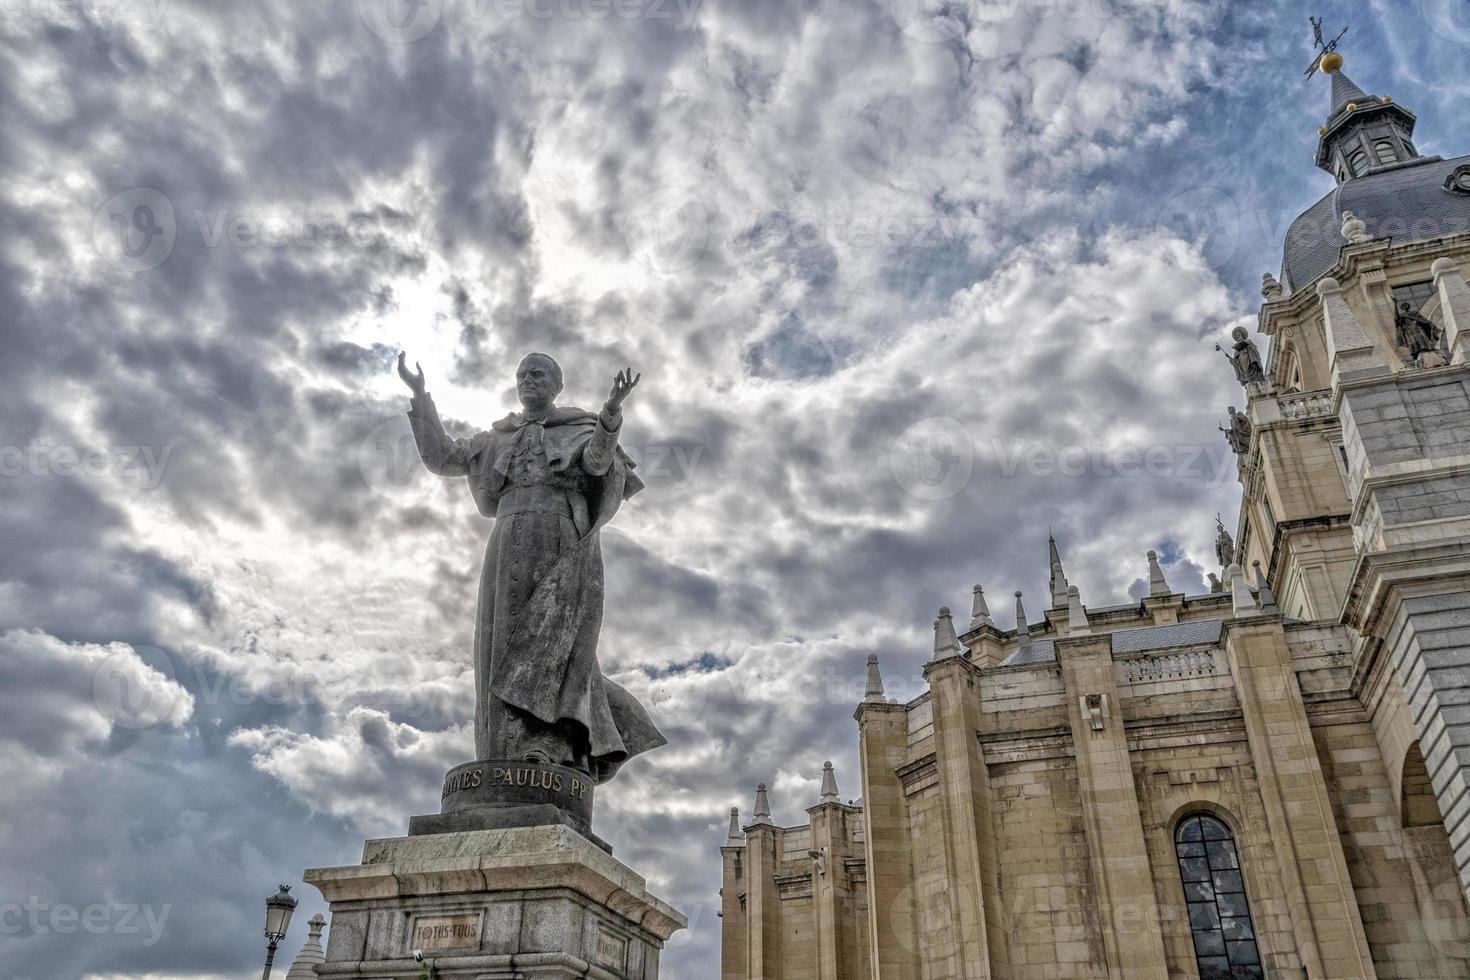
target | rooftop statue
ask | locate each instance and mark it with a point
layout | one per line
(1239, 433)
(1224, 543)
(1244, 357)
(1417, 335)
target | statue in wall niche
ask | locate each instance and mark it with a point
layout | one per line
(1244, 357)
(1238, 434)
(1418, 337)
(1224, 543)
(551, 477)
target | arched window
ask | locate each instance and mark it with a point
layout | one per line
(1358, 162)
(1385, 151)
(1219, 916)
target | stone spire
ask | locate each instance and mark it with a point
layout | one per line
(1363, 132)
(737, 836)
(762, 806)
(1058, 577)
(829, 784)
(1156, 583)
(1076, 615)
(311, 952)
(873, 693)
(946, 643)
(1264, 595)
(979, 611)
(1023, 629)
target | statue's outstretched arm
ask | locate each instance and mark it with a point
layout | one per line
(597, 458)
(441, 454)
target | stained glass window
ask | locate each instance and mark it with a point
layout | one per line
(1219, 915)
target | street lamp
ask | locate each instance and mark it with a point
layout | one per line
(278, 909)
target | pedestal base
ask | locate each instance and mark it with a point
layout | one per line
(533, 902)
(496, 795)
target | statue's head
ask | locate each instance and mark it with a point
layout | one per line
(1406, 307)
(1240, 334)
(538, 382)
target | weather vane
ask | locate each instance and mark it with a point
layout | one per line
(1324, 48)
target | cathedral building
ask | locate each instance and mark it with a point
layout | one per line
(1265, 781)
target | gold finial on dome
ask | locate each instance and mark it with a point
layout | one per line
(1331, 62)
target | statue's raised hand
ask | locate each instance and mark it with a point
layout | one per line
(415, 382)
(622, 387)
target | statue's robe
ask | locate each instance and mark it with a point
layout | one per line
(551, 484)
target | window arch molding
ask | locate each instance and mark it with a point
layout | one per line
(1212, 863)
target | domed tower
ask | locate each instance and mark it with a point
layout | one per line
(1367, 145)
(1356, 474)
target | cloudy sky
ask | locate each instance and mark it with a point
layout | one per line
(907, 285)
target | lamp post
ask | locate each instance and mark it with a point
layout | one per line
(278, 909)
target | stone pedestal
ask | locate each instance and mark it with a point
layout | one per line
(525, 902)
(495, 795)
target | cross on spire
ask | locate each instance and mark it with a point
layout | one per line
(1324, 48)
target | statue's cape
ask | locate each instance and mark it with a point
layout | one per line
(565, 434)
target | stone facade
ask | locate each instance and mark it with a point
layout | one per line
(1030, 816)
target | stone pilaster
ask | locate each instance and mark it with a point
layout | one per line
(762, 903)
(1132, 940)
(1351, 354)
(1304, 835)
(831, 824)
(733, 921)
(1454, 306)
(971, 860)
(882, 749)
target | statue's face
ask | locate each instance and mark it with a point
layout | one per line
(1239, 333)
(536, 383)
